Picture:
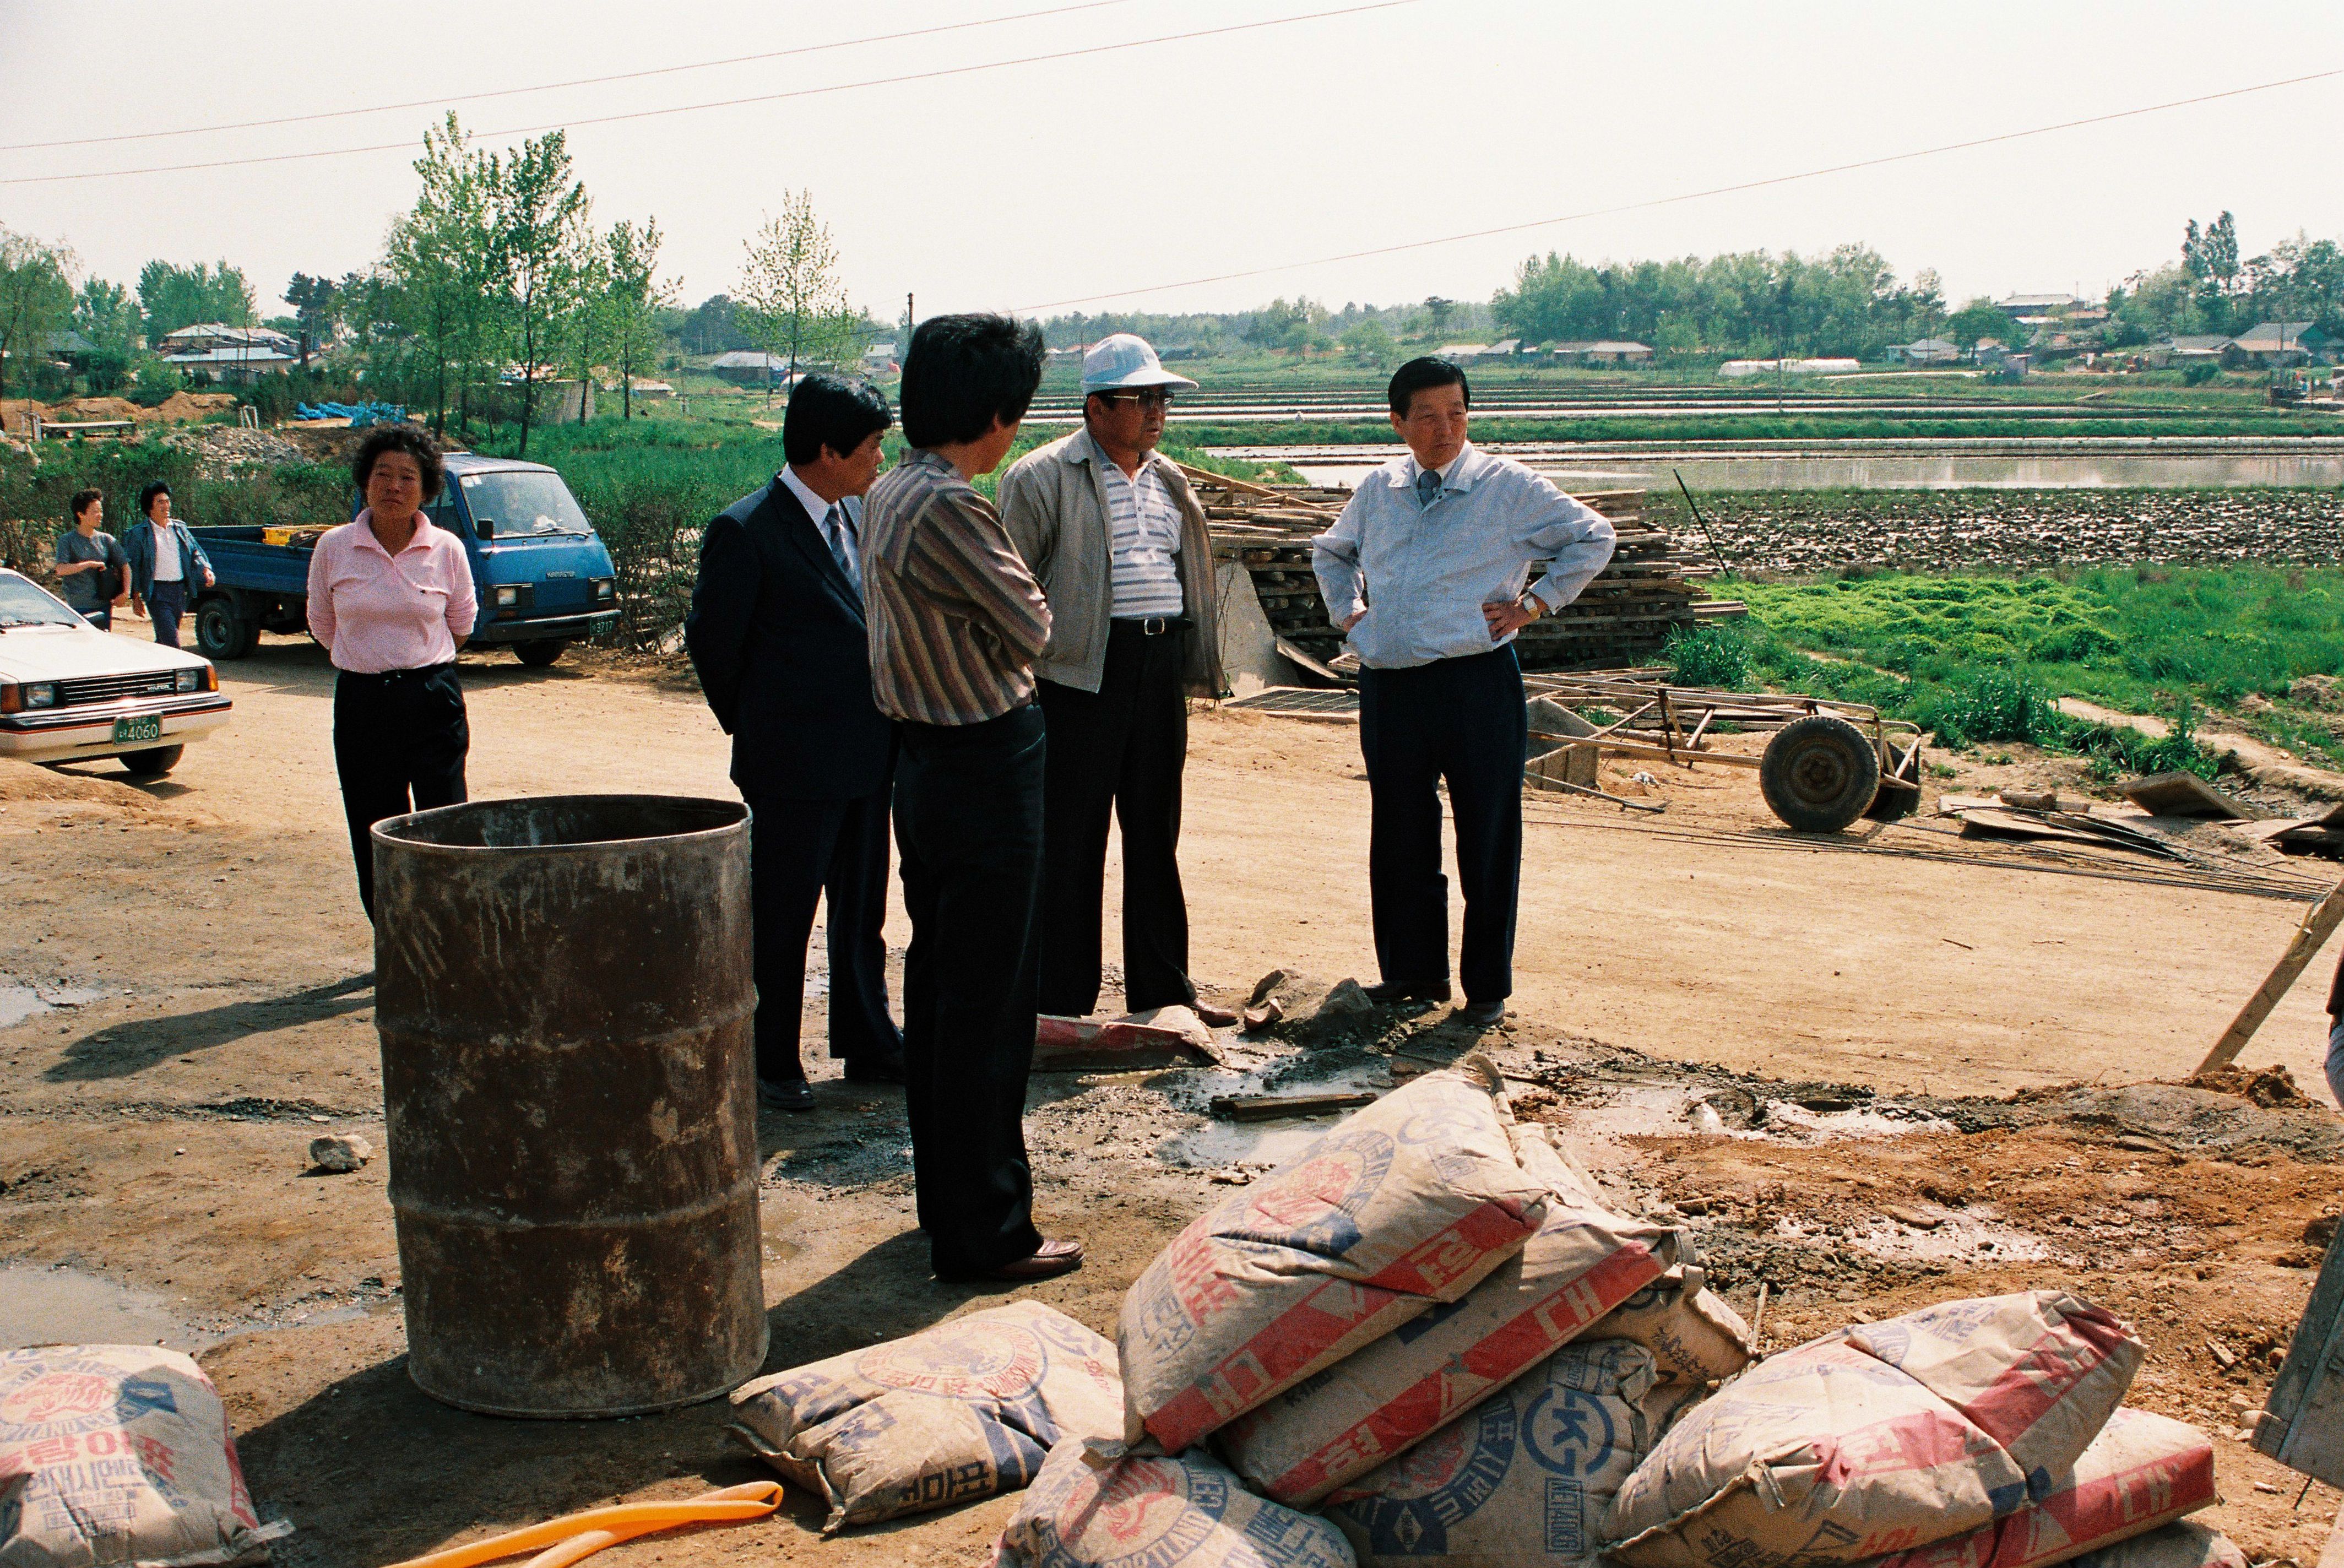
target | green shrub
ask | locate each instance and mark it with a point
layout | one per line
(1710, 656)
(1999, 702)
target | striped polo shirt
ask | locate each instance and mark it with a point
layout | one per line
(1142, 532)
(956, 619)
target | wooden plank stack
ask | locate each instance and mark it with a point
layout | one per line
(1623, 617)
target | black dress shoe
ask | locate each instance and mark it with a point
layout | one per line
(1481, 1015)
(1391, 991)
(785, 1094)
(875, 1069)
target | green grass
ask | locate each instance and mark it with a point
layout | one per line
(1980, 658)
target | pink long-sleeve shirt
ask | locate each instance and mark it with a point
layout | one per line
(375, 611)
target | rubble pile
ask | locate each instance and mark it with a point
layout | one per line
(1650, 589)
(221, 449)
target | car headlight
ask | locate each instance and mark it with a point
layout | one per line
(605, 588)
(507, 596)
(188, 681)
(19, 699)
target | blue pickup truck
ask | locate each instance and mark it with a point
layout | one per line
(543, 577)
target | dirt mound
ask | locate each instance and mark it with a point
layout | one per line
(15, 412)
(2270, 1088)
(187, 408)
(28, 783)
(102, 409)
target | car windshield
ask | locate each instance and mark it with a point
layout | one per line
(24, 603)
(512, 503)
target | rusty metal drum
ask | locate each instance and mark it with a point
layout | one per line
(563, 992)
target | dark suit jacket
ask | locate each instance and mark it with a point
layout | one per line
(777, 636)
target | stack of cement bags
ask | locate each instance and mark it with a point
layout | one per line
(1425, 1342)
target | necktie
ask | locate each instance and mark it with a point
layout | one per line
(839, 533)
(1427, 487)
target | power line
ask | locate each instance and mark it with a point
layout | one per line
(1685, 196)
(940, 72)
(557, 87)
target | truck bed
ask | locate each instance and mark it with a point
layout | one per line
(242, 559)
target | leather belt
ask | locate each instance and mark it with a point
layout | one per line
(1157, 625)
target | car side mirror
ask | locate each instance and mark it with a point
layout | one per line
(486, 526)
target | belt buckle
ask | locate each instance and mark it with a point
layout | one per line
(1152, 625)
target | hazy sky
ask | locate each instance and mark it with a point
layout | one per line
(1045, 182)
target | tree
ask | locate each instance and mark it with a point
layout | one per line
(1436, 311)
(538, 224)
(317, 308)
(36, 299)
(1371, 343)
(440, 269)
(104, 313)
(1978, 320)
(173, 296)
(791, 295)
(634, 300)
(590, 316)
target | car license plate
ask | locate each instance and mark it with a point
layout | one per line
(149, 728)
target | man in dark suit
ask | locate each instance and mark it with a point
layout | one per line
(776, 631)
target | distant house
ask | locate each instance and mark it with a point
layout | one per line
(1504, 349)
(1462, 353)
(241, 363)
(2186, 349)
(2035, 307)
(750, 367)
(67, 345)
(2281, 343)
(1925, 351)
(1179, 351)
(1071, 353)
(1735, 369)
(210, 335)
(1610, 352)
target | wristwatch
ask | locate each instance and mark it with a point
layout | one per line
(1537, 606)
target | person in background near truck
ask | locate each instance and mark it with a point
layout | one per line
(956, 622)
(163, 555)
(391, 600)
(1110, 528)
(1442, 541)
(84, 558)
(777, 634)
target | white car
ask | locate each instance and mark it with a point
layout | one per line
(70, 691)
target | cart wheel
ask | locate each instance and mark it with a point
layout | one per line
(1819, 774)
(1894, 804)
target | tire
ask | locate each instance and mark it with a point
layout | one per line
(1819, 774)
(153, 764)
(1894, 804)
(220, 632)
(541, 653)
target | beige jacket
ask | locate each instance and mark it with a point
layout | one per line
(1054, 503)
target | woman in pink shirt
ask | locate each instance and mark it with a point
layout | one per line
(391, 600)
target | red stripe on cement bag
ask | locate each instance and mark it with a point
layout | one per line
(2188, 1544)
(1404, 1205)
(2141, 1473)
(120, 1453)
(2038, 1372)
(1843, 1450)
(964, 1410)
(1694, 1337)
(1526, 1478)
(1151, 1512)
(1377, 1402)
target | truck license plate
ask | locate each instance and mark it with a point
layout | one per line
(149, 728)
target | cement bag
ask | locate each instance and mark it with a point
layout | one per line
(1527, 1478)
(964, 1410)
(118, 1454)
(1404, 1205)
(2142, 1472)
(1694, 1337)
(1879, 1439)
(1153, 1512)
(2188, 1544)
(1344, 1421)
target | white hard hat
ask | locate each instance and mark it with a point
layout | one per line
(1124, 361)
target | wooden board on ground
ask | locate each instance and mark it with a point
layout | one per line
(2181, 794)
(1268, 1108)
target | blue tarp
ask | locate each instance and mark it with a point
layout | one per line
(359, 415)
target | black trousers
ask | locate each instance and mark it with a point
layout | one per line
(1116, 753)
(400, 742)
(799, 852)
(968, 828)
(1460, 721)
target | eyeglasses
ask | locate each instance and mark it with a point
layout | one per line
(1159, 399)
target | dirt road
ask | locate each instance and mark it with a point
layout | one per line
(205, 934)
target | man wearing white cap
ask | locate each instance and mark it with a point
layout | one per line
(1110, 528)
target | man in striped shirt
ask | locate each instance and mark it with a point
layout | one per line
(956, 622)
(1110, 527)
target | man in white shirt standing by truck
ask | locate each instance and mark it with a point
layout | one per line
(164, 557)
(1441, 542)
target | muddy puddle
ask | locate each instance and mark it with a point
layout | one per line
(20, 1000)
(42, 1304)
